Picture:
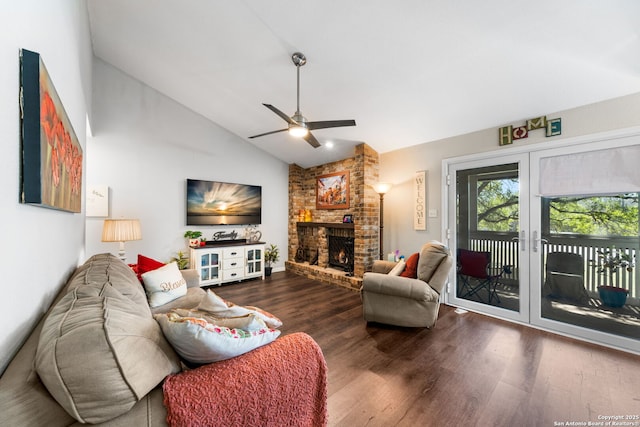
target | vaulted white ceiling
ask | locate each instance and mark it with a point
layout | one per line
(408, 72)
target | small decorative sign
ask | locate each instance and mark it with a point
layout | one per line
(420, 201)
(508, 134)
(221, 235)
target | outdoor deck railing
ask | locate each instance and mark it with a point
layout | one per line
(504, 248)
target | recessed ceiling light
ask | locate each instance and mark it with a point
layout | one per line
(329, 144)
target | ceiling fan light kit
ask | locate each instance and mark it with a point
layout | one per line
(298, 126)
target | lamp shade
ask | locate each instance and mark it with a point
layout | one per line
(382, 187)
(121, 230)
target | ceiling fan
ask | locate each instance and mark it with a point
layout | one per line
(298, 124)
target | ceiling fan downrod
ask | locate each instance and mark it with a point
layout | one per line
(298, 60)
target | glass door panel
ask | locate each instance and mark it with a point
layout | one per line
(589, 250)
(489, 239)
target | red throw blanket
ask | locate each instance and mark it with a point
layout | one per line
(281, 384)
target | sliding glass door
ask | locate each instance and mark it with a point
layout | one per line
(489, 201)
(536, 240)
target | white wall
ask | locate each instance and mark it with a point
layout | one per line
(144, 147)
(40, 246)
(399, 167)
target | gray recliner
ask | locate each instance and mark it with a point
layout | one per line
(403, 301)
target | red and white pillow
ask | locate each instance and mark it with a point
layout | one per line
(199, 341)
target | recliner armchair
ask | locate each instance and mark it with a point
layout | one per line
(404, 301)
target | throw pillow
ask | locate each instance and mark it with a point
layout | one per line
(164, 284)
(398, 269)
(411, 269)
(249, 322)
(222, 308)
(199, 341)
(146, 264)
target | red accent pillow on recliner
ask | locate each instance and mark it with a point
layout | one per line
(411, 269)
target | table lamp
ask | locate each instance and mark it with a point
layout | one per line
(121, 230)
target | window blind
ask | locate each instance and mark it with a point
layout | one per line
(614, 170)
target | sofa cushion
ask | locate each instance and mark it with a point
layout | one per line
(98, 352)
(199, 341)
(164, 284)
(431, 255)
(107, 268)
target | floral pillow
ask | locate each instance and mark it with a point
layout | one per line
(219, 307)
(199, 341)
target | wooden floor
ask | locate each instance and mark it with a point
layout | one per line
(469, 370)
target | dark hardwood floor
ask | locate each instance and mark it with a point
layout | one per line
(469, 370)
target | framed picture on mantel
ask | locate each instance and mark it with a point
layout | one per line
(332, 191)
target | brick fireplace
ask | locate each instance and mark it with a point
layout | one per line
(309, 251)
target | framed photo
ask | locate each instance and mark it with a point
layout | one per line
(51, 169)
(332, 191)
(347, 219)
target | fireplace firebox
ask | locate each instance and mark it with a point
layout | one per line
(341, 251)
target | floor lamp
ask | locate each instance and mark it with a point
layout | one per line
(381, 188)
(121, 230)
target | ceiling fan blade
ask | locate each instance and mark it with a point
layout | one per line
(330, 124)
(268, 133)
(280, 113)
(312, 140)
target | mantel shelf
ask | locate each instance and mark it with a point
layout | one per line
(326, 224)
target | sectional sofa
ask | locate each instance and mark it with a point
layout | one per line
(99, 357)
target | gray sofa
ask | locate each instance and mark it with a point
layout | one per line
(405, 301)
(110, 356)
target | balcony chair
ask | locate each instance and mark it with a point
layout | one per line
(406, 301)
(564, 276)
(475, 275)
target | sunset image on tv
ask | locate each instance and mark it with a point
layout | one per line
(223, 203)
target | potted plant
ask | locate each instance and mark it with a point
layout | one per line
(194, 238)
(609, 262)
(182, 260)
(271, 255)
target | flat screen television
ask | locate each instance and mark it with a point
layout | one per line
(223, 203)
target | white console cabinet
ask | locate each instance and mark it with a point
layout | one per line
(224, 262)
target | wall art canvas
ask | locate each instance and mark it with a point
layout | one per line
(51, 170)
(332, 191)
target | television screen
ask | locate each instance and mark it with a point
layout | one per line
(223, 203)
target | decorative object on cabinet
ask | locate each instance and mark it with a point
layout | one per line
(121, 230)
(194, 238)
(347, 219)
(332, 191)
(225, 262)
(252, 234)
(51, 168)
(271, 255)
(382, 188)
